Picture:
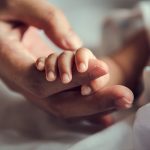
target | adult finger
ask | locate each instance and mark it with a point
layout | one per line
(45, 16)
(72, 104)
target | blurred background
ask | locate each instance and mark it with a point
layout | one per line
(86, 15)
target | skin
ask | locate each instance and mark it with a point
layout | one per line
(126, 68)
(62, 65)
(44, 16)
(122, 71)
(18, 54)
(26, 79)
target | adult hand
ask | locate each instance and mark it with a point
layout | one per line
(41, 14)
(18, 53)
(19, 50)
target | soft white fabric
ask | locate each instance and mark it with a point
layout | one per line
(117, 137)
(142, 129)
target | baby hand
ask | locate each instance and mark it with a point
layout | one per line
(62, 66)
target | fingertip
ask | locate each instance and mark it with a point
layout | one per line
(51, 67)
(82, 58)
(66, 78)
(86, 90)
(117, 96)
(40, 64)
(82, 67)
(125, 98)
(50, 76)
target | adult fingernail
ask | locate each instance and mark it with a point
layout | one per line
(51, 76)
(65, 78)
(124, 103)
(86, 90)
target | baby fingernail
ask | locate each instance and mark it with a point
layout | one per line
(65, 78)
(40, 66)
(51, 76)
(86, 90)
(82, 67)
